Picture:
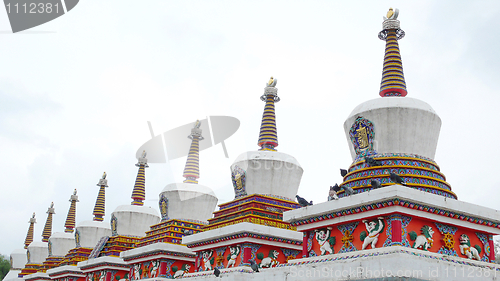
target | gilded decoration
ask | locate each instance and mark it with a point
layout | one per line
(163, 204)
(114, 223)
(238, 176)
(362, 135)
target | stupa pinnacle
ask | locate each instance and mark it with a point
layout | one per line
(139, 192)
(99, 208)
(268, 137)
(70, 219)
(47, 230)
(393, 80)
(31, 229)
(192, 169)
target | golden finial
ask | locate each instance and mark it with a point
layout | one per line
(390, 13)
(270, 81)
(197, 124)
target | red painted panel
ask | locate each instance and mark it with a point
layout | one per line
(492, 249)
(304, 244)
(247, 254)
(396, 231)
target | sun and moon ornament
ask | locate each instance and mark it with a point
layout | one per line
(391, 22)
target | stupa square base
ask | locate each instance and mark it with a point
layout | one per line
(397, 216)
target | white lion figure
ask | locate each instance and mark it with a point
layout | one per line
(269, 261)
(185, 268)
(424, 240)
(467, 250)
(374, 228)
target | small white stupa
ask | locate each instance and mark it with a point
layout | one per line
(61, 242)
(268, 171)
(189, 200)
(18, 257)
(135, 219)
(88, 233)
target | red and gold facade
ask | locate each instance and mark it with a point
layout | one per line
(258, 209)
(397, 216)
(76, 255)
(236, 234)
(170, 231)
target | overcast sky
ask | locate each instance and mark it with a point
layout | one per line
(76, 94)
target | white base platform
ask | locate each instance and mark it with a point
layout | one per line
(390, 263)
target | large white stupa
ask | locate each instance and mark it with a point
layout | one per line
(394, 133)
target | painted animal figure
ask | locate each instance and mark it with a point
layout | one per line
(467, 250)
(374, 228)
(271, 260)
(424, 240)
(234, 251)
(323, 238)
(185, 268)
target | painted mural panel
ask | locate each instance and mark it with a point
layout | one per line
(115, 275)
(70, 279)
(268, 256)
(236, 255)
(147, 269)
(96, 276)
(179, 268)
(159, 268)
(447, 239)
(365, 234)
(206, 260)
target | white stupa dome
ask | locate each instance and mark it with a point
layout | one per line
(188, 201)
(38, 252)
(270, 172)
(89, 233)
(60, 243)
(401, 125)
(134, 220)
